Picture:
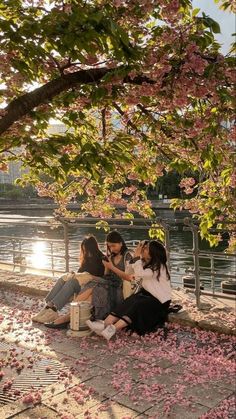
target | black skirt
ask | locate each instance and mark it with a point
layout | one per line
(146, 312)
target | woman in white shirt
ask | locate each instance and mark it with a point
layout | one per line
(144, 311)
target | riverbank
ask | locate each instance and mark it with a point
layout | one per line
(11, 205)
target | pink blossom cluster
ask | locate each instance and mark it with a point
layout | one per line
(233, 179)
(129, 190)
(32, 398)
(3, 167)
(187, 184)
(132, 176)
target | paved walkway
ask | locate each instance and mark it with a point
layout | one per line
(45, 374)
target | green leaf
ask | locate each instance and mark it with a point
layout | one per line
(109, 167)
(215, 27)
(99, 93)
(195, 11)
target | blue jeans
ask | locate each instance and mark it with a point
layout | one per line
(62, 292)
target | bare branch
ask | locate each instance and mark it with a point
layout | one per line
(137, 130)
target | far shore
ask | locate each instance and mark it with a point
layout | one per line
(19, 205)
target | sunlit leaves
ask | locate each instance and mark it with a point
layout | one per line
(226, 4)
(156, 232)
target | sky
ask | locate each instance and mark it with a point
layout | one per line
(226, 20)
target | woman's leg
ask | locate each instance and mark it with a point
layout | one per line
(110, 320)
(98, 326)
(64, 295)
(44, 315)
(55, 290)
(84, 296)
(112, 328)
(121, 324)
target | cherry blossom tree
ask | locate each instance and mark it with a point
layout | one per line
(141, 88)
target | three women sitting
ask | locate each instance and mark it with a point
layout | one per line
(91, 283)
(141, 312)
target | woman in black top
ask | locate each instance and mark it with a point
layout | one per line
(91, 257)
(70, 284)
(109, 291)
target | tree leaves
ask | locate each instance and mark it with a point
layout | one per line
(210, 23)
(137, 91)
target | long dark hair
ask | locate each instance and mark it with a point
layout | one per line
(89, 249)
(115, 237)
(158, 257)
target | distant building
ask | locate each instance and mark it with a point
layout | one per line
(56, 128)
(15, 167)
(15, 171)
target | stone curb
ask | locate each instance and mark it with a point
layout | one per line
(18, 282)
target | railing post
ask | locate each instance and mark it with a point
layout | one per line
(212, 274)
(13, 253)
(196, 264)
(66, 242)
(52, 258)
(167, 245)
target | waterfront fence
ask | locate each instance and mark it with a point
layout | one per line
(62, 253)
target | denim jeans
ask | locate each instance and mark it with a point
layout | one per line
(62, 292)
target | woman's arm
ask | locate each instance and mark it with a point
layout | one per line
(139, 271)
(106, 272)
(109, 265)
(84, 295)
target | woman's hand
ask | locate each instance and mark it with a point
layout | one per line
(108, 264)
(138, 250)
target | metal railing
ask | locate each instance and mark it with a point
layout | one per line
(62, 261)
(19, 255)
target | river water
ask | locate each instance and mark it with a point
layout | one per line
(37, 247)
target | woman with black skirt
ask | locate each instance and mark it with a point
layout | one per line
(145, 310)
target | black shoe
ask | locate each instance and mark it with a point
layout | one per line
(57, 326)
(175, 308)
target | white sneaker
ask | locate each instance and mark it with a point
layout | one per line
(98, 326)
(109, 332)
(49, 316)
(38, 316)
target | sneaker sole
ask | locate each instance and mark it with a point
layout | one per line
(90, 325)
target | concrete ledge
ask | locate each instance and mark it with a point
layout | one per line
(216, 326)
(24, 289)
(26, 283)
(185, 319)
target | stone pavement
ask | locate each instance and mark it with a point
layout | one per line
(216, 315)
(45, 374)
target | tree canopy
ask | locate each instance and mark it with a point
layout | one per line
(142, 89)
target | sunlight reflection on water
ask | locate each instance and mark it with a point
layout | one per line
(38, 258)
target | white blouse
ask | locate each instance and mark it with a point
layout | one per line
(160, 288)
